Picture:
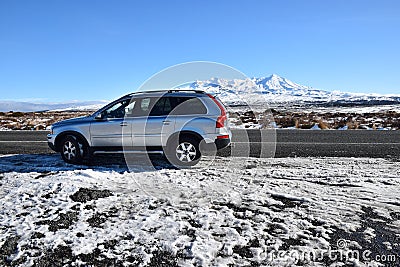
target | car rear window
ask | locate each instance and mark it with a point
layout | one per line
(188, 106)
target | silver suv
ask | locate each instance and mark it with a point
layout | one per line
(181, 124)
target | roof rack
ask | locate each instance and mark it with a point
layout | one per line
(186, 90)
(168, 91)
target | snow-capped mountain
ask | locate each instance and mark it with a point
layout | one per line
(256, 91)
(276, 82)
(276, 89)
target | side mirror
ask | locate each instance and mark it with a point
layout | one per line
(99, 116)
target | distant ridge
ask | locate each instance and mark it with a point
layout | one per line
(6, 106)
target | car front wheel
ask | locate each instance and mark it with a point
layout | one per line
(71, 150)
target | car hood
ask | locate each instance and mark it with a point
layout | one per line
(73, 121)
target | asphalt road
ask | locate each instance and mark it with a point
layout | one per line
(289, 143)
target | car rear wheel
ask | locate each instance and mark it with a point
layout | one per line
(71, 150)
(184, 152)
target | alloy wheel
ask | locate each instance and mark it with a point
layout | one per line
(69, 150)
(186, 152)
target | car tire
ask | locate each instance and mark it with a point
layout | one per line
(183, 152)
(72, 150)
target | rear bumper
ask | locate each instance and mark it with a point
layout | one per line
(217, 144)
(221, 143)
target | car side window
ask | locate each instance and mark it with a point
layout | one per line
(162, 107)
(130, 107)
(188, 106)
(145, 104)
(142, 107)
(117, 111)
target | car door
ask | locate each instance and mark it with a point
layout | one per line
(151, 123)
(110, 130)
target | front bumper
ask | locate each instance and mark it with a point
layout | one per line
(51, 138)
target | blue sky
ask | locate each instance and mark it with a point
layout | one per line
(63, 50)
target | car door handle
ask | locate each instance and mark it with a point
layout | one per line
(123, 124)
(166, 122)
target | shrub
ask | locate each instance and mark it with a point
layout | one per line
(17, 114)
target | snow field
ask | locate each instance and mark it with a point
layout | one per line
(211, 216)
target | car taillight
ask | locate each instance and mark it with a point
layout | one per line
(222, 118)
(220, 122)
